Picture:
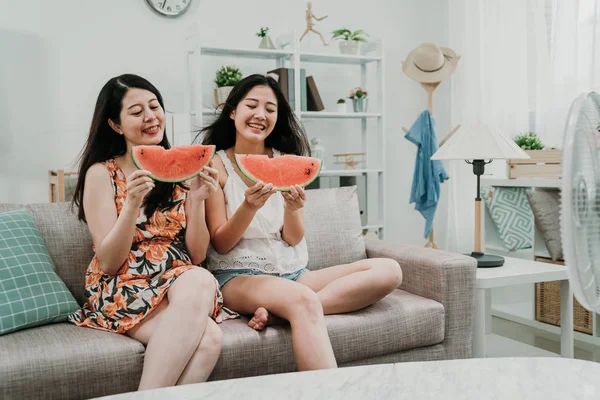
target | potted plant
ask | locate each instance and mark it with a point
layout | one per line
(265, 42)
(349, 40)
(529, 141)
(359, 99)
(341, 105)
(226, 78)
(543, 163)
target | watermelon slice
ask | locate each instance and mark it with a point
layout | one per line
(176, 164)
(283, 171)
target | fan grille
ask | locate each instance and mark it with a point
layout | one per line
(581, 202)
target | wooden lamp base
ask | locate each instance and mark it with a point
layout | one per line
(483, 260)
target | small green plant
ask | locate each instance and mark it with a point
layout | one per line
(341, 101)
(228, 76)
(357, 93)
(263, 31)
(347, 34)
(529, 141)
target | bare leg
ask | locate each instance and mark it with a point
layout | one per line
(304, 34)
(168, 350)
(350, 287)
(293, 302)
(322, 38)
(206, 356)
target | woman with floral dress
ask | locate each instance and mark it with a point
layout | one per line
(149, 238)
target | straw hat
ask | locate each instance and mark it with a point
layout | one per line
(430, 63)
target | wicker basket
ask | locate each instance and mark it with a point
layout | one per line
(547, 304)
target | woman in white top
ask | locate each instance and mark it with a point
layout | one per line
(258, 252)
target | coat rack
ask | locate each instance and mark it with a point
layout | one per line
(429, 88)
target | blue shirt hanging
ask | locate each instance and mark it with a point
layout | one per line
(428, 174)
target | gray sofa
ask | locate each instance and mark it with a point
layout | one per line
(428, 318)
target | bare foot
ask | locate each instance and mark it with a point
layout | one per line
(260, 319)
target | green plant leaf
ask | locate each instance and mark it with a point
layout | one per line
(341, 33)
(529, 141)
(228, 76)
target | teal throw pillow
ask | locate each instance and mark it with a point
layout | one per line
(31, 293)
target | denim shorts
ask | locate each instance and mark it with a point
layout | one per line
(225, 276)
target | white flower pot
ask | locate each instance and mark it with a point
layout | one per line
(349, 47)
(360, 105)
(342, 107)
(266, 43)
(221, 94)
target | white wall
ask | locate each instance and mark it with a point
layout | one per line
(57, 55)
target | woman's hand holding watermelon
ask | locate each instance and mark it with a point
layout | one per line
(139, 184)
(294, 199)
(257, 195)
(205, 183)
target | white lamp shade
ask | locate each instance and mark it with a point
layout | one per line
(479, 142)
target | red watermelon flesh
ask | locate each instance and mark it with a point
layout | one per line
(176, 164)
(283, 171)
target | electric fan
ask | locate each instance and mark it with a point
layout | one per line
(580, 205)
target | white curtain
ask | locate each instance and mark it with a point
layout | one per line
(575, 60)
(499, 80)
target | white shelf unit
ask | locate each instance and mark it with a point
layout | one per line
(289, 55)
(517, 303)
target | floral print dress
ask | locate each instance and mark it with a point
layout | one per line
(158, 256)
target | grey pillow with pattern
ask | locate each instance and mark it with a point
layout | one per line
(545, 205)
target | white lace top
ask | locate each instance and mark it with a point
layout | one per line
(261, 247)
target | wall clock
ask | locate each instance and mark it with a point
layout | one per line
(169, 8)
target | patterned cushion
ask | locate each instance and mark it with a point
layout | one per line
(67, 239)
(510, 211)
(545, 205)
(31, 293)
(332, 227)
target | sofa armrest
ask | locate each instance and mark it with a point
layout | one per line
(447, 278)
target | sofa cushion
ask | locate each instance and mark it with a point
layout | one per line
(332, 227)
(67, 239)
(31, 293)
(545, 205)
(398, 322)
(64, 361)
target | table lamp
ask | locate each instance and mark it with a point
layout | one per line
(478, 145)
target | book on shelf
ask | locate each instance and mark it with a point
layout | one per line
(314, 102)
(285, 79)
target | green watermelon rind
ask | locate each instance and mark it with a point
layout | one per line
(249, 175)
(172, 180)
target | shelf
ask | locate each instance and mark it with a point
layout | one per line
(208, 111)
(514, 313)
(262, 54)
(369, 61)
(348, 172)
(338, 58)
(372, 226)
(325, 114)
(313, 114)
(500, 346)
(522, 182)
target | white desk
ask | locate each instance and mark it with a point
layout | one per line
(515, 272)
(477, 379)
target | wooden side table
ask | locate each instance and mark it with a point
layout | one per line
(517, 271)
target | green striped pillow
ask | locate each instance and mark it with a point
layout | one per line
(31, 293)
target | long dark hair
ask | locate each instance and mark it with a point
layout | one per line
(104, 143)
(287, 135)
